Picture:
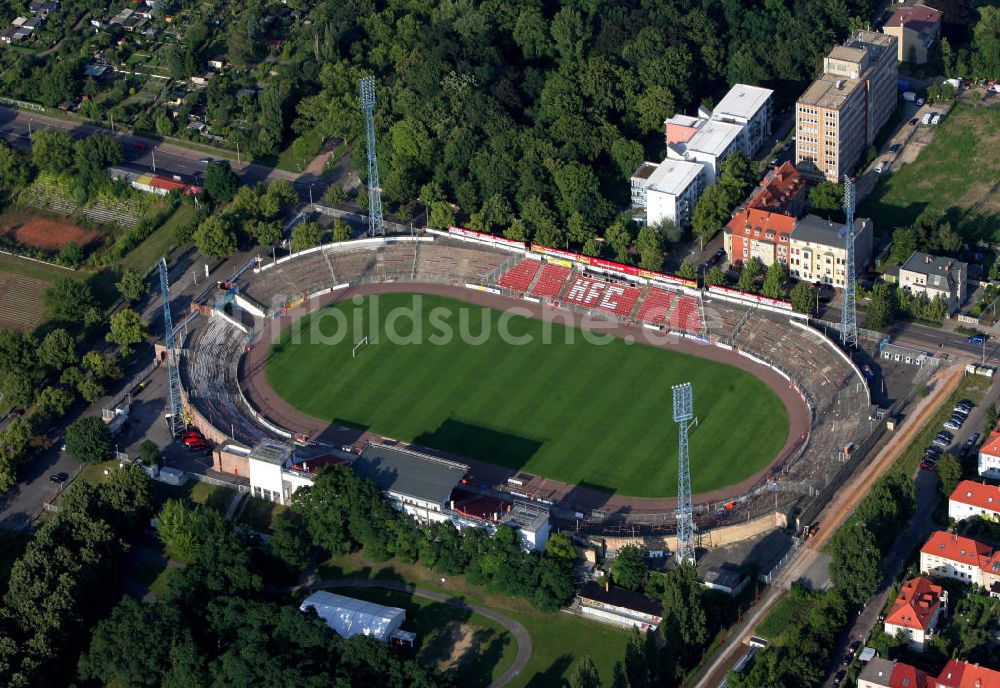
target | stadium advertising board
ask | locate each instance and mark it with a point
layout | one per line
(614, 268)
(484, 238)
(743, 296)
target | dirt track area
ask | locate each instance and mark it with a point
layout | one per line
(49, 234)
(262, 396)
(21, 305)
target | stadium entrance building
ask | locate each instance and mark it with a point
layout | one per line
(350, 617)
(422, 486)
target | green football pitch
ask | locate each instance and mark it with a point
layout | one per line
(588, 413)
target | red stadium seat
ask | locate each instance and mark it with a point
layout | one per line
(520, 277)
(551, 281)
(589, 292)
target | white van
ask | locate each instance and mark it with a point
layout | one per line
(926, 118)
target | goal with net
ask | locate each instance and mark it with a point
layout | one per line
(359, 346)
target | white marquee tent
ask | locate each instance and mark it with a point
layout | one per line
(350, 617)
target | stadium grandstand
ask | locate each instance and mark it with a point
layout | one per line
(762, 330)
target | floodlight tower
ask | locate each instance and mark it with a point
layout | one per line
(173, 373)
(683, 413)
(849, 316)
(366, 86)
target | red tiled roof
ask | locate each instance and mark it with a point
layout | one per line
(915, 606)
(957, 548)
(754, 218)
(977, 494)
(959, 674)
(779, 187)
(906, 676)
(168, 184)
(918, 14)
(992, 445)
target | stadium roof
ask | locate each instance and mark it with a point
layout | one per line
(742, 102)
(620, 598)
(409, 473)
(350, 617)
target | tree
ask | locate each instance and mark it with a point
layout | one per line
(619, 237)
(290, 540)
(334, 195)
(628, 155)
(803, 299)
(71, 301)
(14, 170)
(992, 416)
(176, 528)
(442, 215)
(265, 233)
(127, 649)
(881, 309)
(715, 277)
(58, 350)
(748, 276)
(131, 285)
(710, 213)
(650, 245)
(220, 181)
(306, 235)
(149, 453)
(629, 568)
(127, 328)
(737, 177)
(341, 231)
(53, 401)
(949, 470)
(88, 440)
(854, 567)
(904, 243)
(774, 281)
(52, 150)
(586, 674)
(687, 270)
(827, 197)
(215, 237)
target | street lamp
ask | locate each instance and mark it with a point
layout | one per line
(311, 192)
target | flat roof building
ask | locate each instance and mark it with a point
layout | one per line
(619, 606)
(670, 191)
(350, 617)
(819, 253)
(841, 112)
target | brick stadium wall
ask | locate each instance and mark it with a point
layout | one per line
(717, 537)
(228, 462)
(210, 432)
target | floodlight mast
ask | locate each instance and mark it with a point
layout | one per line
(683, 413)
(376, 225)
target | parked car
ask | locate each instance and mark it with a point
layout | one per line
(954, 423)
(59, 478)
(977, 339)
(932, 450)
(195, 439)
(894, 148)
(943, 438)
(972, 439)
(920, 101)
(927, 465)
(192, 433)
(139, 145)
(913, 122)
(196, 446)
(936, 118)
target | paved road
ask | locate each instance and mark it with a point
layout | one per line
(520, 633)
(169, 158)
(842, 505)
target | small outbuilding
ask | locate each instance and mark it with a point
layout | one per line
(350, 617)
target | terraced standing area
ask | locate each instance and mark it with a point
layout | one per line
(545, 399)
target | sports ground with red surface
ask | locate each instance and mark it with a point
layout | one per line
(47, 233)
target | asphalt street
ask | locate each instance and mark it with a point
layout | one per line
(168, 158)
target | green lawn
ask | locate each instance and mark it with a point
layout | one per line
(286, 158)
(145, 255)
(258, 514)
(440, 627)
(559, 639)
(786, 617)
(956, 172)
(582, 413)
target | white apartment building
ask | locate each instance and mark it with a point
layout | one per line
(972, 499)
(989, 457)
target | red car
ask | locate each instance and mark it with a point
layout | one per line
(139, 145)
(193, 440)
(192, 433)
(197, 445)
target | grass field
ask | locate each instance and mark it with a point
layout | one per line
(560, 640)
(582, 413)
(258, 514)
(470, 649)
(957, 173)
(146, 254)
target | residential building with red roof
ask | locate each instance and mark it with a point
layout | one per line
(948, 555)
(989, 457)
(916, 28)
(974, 499)
(761, 228)
(959, 674)
(881, 673)
(917, 611)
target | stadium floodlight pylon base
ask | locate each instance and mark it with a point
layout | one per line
(683, 414)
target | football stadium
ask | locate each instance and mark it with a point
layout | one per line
(533, 374)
